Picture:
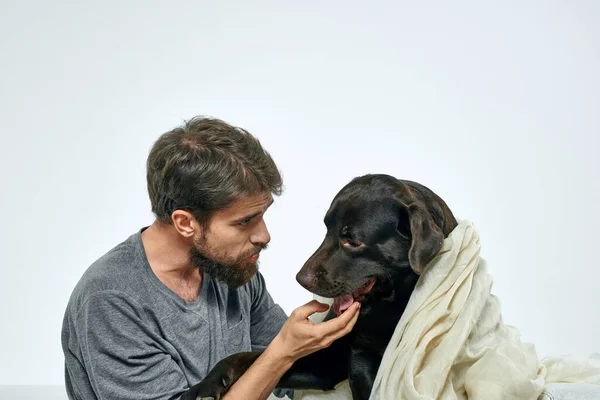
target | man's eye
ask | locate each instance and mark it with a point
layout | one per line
(245, 221)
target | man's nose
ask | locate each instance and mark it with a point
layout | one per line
(261, 235)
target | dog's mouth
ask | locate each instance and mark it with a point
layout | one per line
(342, 303)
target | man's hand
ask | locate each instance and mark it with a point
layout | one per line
(299, 337)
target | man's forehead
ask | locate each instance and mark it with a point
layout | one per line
(248, 203)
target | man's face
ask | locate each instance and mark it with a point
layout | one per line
(229, 247)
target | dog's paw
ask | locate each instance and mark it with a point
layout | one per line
(221, 377)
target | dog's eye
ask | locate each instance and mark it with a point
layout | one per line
(352, 243)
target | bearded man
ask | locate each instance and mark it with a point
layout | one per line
(152, 316)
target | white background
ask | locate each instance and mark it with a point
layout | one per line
(493, 105)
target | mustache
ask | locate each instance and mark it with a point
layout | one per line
(229, 271)
(256, 249)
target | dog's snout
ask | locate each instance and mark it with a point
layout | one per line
(309, 279)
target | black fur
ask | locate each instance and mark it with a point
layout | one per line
(377, 227)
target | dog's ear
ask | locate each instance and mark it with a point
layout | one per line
(427, 237)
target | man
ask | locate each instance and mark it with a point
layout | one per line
(151, 317)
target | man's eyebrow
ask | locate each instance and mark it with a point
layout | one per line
(255, 214)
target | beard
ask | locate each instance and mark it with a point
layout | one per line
(234, 272)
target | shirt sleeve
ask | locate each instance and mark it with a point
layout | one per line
(122, 358)
(266, 316)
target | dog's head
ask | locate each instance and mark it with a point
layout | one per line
(379, 229)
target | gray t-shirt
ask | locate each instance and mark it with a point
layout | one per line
(126, 335)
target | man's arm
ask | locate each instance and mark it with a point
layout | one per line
(254, 375)
(260, 379)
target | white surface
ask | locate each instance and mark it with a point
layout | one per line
(47, 392)
(495, 107)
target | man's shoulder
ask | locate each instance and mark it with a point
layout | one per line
(116, 271)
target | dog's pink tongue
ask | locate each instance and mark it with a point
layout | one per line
(342, 303)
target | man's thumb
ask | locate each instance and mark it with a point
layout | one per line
(310, 308)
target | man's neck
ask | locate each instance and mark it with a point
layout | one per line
(168, 255)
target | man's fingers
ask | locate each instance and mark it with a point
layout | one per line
(337, 324)
(348, 328)
(345, 329)
(309, 309)
(335, 335)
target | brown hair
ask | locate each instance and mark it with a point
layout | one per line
(205, 165)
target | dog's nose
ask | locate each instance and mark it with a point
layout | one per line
(307, 280)
(310, 279)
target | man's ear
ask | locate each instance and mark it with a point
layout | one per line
(427, 237)
(185, 223)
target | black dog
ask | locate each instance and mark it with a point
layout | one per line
(381, 233)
